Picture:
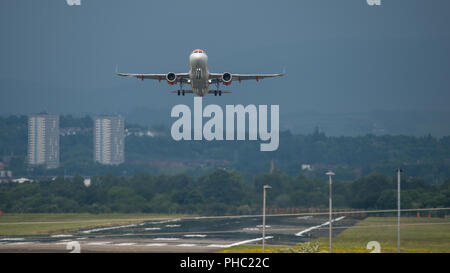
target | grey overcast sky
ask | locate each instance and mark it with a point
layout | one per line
(340, 55)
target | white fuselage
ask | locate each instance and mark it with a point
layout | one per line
(198, 73)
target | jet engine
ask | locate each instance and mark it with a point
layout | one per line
(227, 78)
(171, 78)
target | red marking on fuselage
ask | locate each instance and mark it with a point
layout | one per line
(198, 50)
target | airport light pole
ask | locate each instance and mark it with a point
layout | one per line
(264, 217)
(398, 208)
(330, 174)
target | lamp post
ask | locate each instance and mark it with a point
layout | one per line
(398, 208)
(264, 217)
(330, 174)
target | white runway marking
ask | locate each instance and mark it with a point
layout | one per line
(98, 243)
(107, 228)
(166, 239)
(166, 221)
(241, 242)
(304, 217)
(161, 244)
(195, 235)
(12, 239)
(61, 236)
(251, 229)
(301, 233)
(173, 225)
(186, 245)
(152, 228)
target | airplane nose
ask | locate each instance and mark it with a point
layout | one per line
(197, 59)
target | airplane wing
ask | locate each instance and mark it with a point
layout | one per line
(242, 77)
(180, 76)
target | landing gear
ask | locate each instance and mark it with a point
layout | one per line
(181, 91)
(217, 89)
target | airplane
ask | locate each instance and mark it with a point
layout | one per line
(199, 76)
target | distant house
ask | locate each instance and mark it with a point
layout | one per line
(306, 167)
(22, 180)
(69, 131)
(4, 174)
(139, 132)
(87, 181)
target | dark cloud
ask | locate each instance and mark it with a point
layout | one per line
(340, 55)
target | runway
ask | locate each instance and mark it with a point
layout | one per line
(180, 235)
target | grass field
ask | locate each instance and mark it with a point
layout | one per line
(417, 235)
(32, 224)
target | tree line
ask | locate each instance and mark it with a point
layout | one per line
(220, 192)
(352, 157)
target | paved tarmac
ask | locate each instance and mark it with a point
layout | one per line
(180, 235)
